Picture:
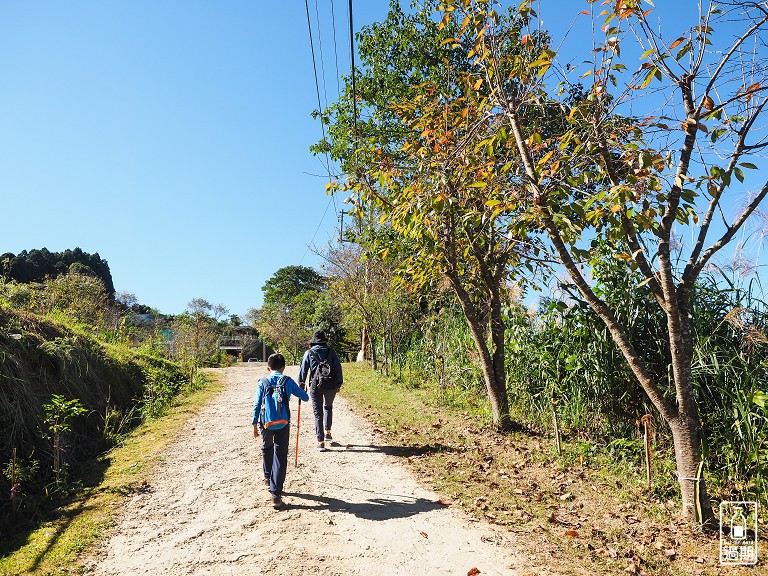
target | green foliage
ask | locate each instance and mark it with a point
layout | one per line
(38, 265)
(290, 282)
(42, 365)
(729, 369)
(194, 336)
(60, 412)
(58, 416)
(295, 305)
(161, 386)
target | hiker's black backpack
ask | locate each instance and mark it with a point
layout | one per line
(324, 376)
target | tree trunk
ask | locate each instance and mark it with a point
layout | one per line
(374, 363)
(693, 490)
(385, 359)
(492, 364)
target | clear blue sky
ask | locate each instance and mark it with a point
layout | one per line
(172, 137)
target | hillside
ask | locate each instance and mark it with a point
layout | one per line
(64, 397)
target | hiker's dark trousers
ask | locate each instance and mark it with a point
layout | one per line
(274, 449)
(322, 406)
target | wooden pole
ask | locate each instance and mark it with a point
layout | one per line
(646, 423)
(556, 426)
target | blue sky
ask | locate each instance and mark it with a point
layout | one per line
(173, 137)
(170, 137)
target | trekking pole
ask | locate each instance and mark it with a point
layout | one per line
(298, 426)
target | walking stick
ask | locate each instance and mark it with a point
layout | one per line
(298, 426)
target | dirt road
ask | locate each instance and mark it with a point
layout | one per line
(351, 510)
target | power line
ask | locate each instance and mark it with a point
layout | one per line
(318, 228)
(320, 107)
(335, 51)
(322, 60)
(352, 56)
(327, 163)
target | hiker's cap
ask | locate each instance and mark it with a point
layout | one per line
(318, 338)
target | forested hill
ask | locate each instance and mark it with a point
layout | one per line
(37, 265)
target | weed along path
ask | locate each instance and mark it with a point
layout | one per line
(350, 510)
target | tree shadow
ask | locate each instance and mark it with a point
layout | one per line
(383, 507)
(60, 513)
(402, 451)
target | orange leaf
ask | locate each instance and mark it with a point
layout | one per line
(473, 572)
(709, 104)
(424, 534)
(585, 12)
(752, 88)
(526, 39)
(676, 43)
(572, 533)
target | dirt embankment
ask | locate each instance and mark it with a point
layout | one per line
(350, 510)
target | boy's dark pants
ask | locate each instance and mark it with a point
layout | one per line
(322, 406)
(274, 450)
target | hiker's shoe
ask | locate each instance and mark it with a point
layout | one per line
(266, 482)
(321, 445)
(328, 435)
(277, 502)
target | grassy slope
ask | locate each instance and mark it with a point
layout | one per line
(582, 512)
(57, 547)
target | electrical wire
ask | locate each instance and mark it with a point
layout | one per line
(335, 51)
(352, 57)
(327, 163)
(320, 48)
(311, 242)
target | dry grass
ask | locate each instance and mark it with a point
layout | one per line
(56, 547)
(581, 513)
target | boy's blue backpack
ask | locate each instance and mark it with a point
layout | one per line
(274, 406)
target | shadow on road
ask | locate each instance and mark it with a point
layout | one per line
(381, 508)
(403, 451)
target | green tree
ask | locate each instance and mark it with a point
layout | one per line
(289, 282)
(433, 162)
(287, 317)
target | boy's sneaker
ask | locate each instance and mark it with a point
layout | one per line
(321, 445)
(328, 435)
(277, 502)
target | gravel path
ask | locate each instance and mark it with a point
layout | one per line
(350, 510)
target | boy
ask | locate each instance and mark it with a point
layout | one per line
(272, 417)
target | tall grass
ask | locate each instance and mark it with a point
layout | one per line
(730, 363)
(561, 360)
(42, 360)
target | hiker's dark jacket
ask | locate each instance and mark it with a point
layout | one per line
(308, 363)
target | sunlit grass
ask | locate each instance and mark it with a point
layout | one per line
(585, 510)
(57, 546)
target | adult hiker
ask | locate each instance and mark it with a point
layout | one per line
(321, 364)
(272, 418)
